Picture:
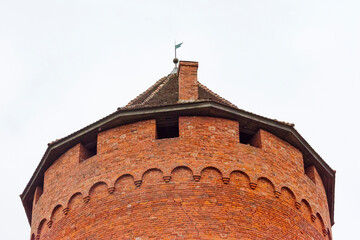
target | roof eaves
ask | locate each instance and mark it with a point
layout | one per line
(122, 110)
(216, 95)
(179, 107)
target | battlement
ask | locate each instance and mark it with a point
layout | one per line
(181, 162)
(273, 168)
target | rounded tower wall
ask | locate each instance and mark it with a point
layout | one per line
(137, 183)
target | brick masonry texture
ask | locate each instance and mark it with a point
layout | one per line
(203, 184)
(188, 84)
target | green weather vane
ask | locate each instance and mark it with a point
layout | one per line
(176, 60)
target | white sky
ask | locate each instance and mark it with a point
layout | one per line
(65, 64)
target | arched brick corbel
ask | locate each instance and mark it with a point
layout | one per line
(37, 237)
(65, 211)
(111, 190)
(297, 205)
(49, 223)
(325, 232)
(138, 183)
(225, 180)
(86, 199)
(277, 194)
(313, 217)
(253, 185)
(196, 178)
(167, 178)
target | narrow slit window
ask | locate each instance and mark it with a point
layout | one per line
(167, 127)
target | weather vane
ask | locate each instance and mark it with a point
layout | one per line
(176, 60)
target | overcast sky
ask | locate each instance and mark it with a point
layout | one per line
(65, 64)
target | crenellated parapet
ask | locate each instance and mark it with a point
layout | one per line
(181, 162)
(207, 153)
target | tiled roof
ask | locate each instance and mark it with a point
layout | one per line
(164, 96)
(166, 92)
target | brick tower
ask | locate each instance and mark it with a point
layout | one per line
(180, 162)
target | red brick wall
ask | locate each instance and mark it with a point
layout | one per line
(188, 84)
(202, 185)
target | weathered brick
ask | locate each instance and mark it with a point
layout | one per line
(202, 183)
(195, 186)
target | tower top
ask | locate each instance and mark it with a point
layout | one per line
(180, 94)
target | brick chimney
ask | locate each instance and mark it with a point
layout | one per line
(188, 84)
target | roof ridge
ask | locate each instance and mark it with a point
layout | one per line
(216, 95)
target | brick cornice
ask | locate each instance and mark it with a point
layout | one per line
(198, 180)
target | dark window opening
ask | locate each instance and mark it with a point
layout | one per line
(245, 138)
(249, 136)
(38, 192)
(310, 172)
(167, 127)
(92, 150)
(88, 150)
